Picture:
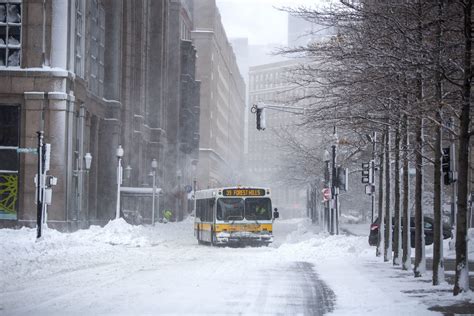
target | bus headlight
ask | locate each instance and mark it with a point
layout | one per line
(223, 235)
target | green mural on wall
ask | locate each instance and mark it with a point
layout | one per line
(8, 196)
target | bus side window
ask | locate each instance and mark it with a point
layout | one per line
(198, 208)
(205, 207)
(211, 209)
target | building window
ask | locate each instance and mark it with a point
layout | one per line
(80, 43)
(9, 164)
(97, 47)
(184, 30)
(10, 33)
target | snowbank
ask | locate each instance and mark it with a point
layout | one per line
(23, 255)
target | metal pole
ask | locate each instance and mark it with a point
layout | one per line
(372, 180)
(452, 168)
(153, 199)
(80, 165)
(119, 182)
(327, 206)
(194, 197)
(333, 189)
(39, 185)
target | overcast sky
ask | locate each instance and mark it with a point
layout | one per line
(258, 20)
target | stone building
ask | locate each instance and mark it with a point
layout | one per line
(222, 101)
(93, 75)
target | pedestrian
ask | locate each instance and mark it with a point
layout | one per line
(167, 214)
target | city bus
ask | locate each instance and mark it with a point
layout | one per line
(234, 216)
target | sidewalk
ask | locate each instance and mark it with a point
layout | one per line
(458, 308)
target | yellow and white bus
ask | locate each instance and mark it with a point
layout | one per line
(234, 216)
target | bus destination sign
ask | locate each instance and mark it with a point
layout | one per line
(243, 192)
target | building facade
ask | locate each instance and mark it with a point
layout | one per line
(95, 75)
(222, 101)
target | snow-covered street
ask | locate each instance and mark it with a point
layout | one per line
(134, 270)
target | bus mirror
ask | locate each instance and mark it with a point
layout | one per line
(275, 213)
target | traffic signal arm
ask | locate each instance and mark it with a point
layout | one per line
(259, 110)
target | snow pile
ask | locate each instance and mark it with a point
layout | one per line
(23, 255)
(306, 245)
(117, 232)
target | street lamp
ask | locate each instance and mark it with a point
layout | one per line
(83, 166)
(88, 161)
(154, 166)
(119, 154)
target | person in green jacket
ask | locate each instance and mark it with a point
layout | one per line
(167, 214)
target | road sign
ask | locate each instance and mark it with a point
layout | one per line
(27, 150)
(369, 189)
(326, 194)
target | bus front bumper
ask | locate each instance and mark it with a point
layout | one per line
(224, 238)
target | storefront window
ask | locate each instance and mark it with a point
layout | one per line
(9, 164)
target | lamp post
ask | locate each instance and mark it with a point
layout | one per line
(327, 159)
(119, 154)
(194, 169)
(154, 166)
(179, 202)
(81, 168)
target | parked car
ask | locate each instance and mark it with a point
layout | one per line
(429, 224)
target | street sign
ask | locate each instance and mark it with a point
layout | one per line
(369, 189)
(27, 150)
(188, 188)
(326, 194)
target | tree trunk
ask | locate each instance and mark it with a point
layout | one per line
(406, 243)
(438, 262)
(397, 249)
(420, 264)
(380, 199)
(388, 214)
(461, 282)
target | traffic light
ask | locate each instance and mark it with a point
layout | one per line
(366, 172)
(446, 166)
(261, 124)
(342, 179)
(446, 161)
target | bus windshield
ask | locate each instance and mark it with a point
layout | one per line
(230, 209)
(258, 209)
